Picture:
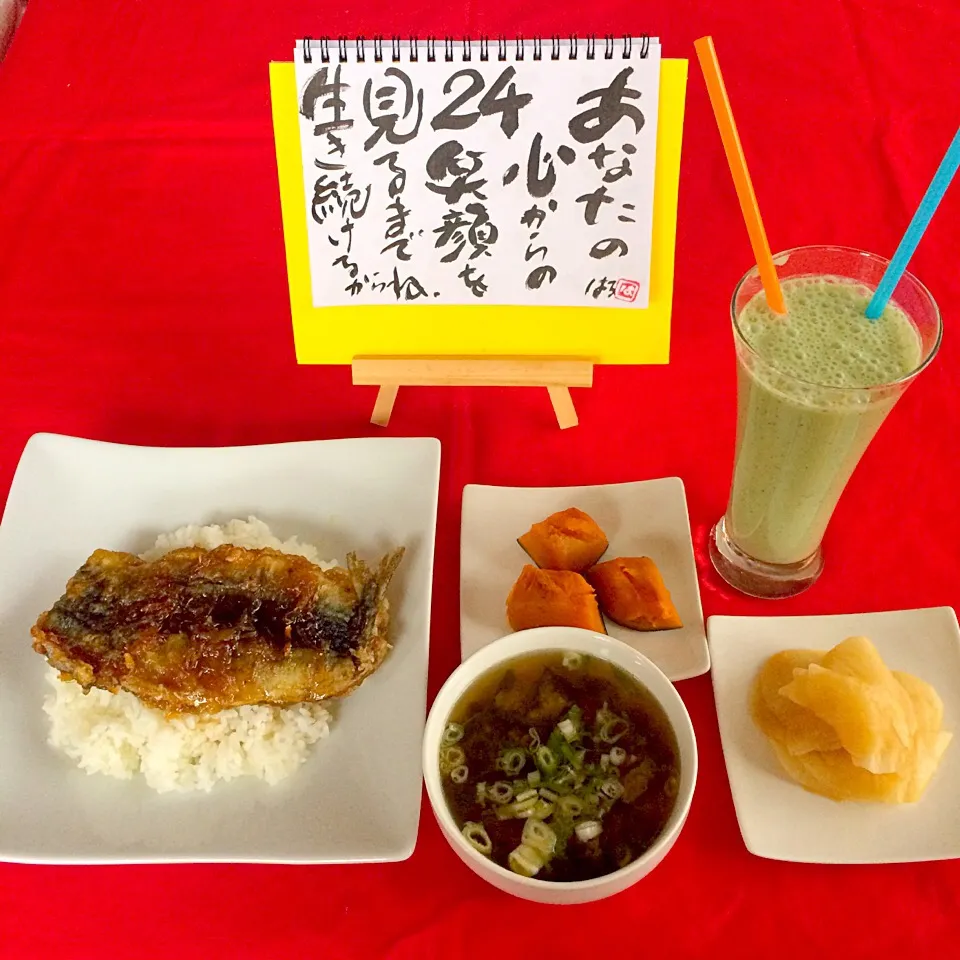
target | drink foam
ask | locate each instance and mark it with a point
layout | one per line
(825, 337)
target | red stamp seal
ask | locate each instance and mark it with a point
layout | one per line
(627, 290)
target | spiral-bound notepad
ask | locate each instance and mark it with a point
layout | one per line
(479, 172)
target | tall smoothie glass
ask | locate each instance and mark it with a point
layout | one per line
(813, 388)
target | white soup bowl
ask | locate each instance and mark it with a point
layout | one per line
(595, 645)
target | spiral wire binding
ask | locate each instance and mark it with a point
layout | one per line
(503, 51)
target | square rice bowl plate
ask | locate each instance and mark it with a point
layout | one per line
(356, 798)
(641, 518)
(780, 820)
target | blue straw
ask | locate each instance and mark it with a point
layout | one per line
(919, 223)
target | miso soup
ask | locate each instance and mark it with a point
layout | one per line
(559, 766)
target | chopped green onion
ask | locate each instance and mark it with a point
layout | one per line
(588, 829)
(564, 778)
(570, 806)
(546, 760)
(500, 792)
(572, 661)
(612, 730)
(612, 789)
(476, 835)
(526, 795)
(605, 761)
(567, 728)
(526, 861)
(617, 756)
(549, 795)
(573, 756)
(453, 756)
(452, 733)
(459, 774)
(518, 809)
(538, 835)
(591, 803)
(604, 713)
(534, 739)
(481, 791)
(541, 810)
(533, 778)
(512, 761)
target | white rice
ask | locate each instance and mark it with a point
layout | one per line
(241, 533)
(119, 736)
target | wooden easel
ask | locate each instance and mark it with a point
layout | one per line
(557, 374)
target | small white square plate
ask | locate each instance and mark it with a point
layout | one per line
(782, 821)
(645, 518)
(357, 796)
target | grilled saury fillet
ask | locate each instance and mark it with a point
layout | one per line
(202, 630)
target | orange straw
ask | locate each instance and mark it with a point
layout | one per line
(741, 176)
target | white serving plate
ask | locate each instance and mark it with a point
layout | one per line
(780, 820)
(357, 797)
(644, 518)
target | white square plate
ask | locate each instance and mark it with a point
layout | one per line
(646, 518)
(781, 820)
(357, 797)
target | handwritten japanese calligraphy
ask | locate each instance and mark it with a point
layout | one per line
(478, 173)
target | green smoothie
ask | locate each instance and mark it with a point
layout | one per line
(814, 386)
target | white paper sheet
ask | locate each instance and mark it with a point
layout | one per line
(496, 181)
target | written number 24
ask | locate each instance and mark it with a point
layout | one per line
(507, 106)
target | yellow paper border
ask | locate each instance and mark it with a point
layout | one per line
(338, 334)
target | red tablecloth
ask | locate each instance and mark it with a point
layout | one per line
(143, 299)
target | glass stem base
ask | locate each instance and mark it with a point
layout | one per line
(757, 578)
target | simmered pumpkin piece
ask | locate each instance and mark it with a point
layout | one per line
(568, 540)
(632, 593)
(552, 598)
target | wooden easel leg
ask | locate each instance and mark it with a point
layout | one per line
(563, 407)
(382, 409)
(557, 374)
